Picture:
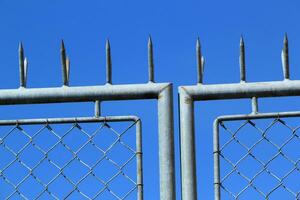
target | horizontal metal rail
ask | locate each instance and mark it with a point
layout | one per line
(257, 116)
(241, 90)
(83, 94)
(71, 120)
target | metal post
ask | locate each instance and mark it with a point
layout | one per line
(187, 146)
(139, 160)
(216, 160)
(254, 105)
(166, 144)
(97, 108)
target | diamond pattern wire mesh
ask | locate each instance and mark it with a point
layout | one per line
(259, 158)
(69, 161)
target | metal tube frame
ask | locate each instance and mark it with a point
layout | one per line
(160, 91)
(200, 92)
(134, 119)
(220, 119)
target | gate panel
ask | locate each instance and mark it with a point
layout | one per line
(256, 156)
(162, 92)
(206, 92)
(71, 158)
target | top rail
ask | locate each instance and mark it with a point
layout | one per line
(81, 94)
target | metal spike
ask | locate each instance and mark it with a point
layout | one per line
(200, 61)
(64, 64)
(21, 65)
(150, 60)
(25, 71)
(108, 63)
(285, 58)
(68, 69)
(242, 60)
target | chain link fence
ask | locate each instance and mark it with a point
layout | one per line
(83, 158)
(257, 158)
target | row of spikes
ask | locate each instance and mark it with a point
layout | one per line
(284, 59)
(65, 62)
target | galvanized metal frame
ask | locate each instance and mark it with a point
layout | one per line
(201, 92)
(216, 134)
(108, 92)
(136, 121)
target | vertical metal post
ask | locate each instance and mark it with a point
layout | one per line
(254, 105)
(97, 108)
(187, 145)
(139, 160)
(216, 160)
(166, 144)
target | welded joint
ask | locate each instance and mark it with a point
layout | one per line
(185, 95)
(168, 87)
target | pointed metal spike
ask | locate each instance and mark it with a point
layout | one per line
(25, 71)
(108, 63)
(199, 62)
(64, 63)
(68, 70)
(202, 63)
(150, 60)
(198, 44)
(242, 41)
(21, 65)
(285, 58)
(242, 60)
(62, 45)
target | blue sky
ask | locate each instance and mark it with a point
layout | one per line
(174, 27)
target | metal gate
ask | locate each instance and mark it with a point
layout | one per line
(201, 92)
(108, 92)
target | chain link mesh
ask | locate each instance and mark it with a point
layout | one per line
(68, 161)
(259, 159)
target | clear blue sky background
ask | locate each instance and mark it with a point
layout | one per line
(174, 26)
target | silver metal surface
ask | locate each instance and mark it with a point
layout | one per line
(242, 60)
(150, 60)
(108, 63)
